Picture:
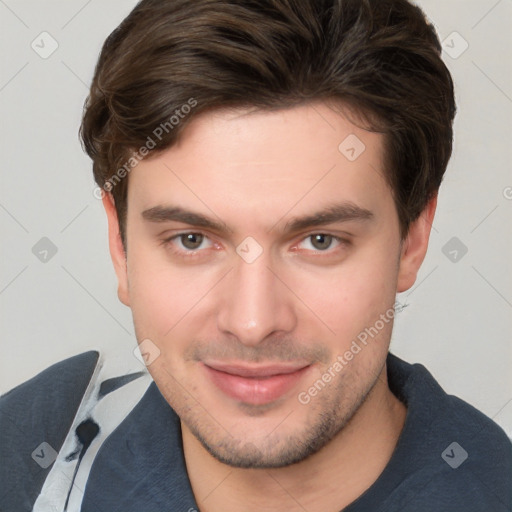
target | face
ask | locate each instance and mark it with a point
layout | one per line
(259, 252)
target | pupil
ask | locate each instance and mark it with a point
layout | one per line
(192, 240)
(322, 241)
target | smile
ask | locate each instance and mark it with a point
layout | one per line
(256, 385)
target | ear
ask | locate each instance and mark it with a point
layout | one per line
(414, 247)
(117, 252)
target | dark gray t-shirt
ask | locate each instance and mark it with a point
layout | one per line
(449, 458)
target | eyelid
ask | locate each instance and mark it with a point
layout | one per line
(167, 240)
(341, 241)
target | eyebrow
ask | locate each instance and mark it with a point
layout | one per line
(166, 214)
(343, 212)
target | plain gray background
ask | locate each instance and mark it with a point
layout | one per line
(458, 319)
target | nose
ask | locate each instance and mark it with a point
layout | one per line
(255, 303)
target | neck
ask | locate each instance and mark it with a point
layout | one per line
(327, 481)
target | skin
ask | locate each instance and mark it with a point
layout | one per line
(299, 301)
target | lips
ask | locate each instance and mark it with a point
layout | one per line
(256, 385)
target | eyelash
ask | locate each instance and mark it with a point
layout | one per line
(191, 253)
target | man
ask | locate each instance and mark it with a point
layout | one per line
(269, 171)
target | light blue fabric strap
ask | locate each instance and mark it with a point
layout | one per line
(116, 386)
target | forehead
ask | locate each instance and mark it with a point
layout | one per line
(235, 161)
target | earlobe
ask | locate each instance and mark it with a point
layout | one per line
(117, 252)
(414, 247)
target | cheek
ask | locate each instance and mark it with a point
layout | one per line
(160, 294)
(170, 304)
(351, 297)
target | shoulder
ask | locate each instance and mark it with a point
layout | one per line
(35, 418)
(467, 456)
(61, 384)
(482, 450)
(416, 386)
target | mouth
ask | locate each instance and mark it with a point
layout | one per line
(255, 385)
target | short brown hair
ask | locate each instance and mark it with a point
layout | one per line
(380, 57)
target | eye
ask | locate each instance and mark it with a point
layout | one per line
(320, 242)
(189, 242)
